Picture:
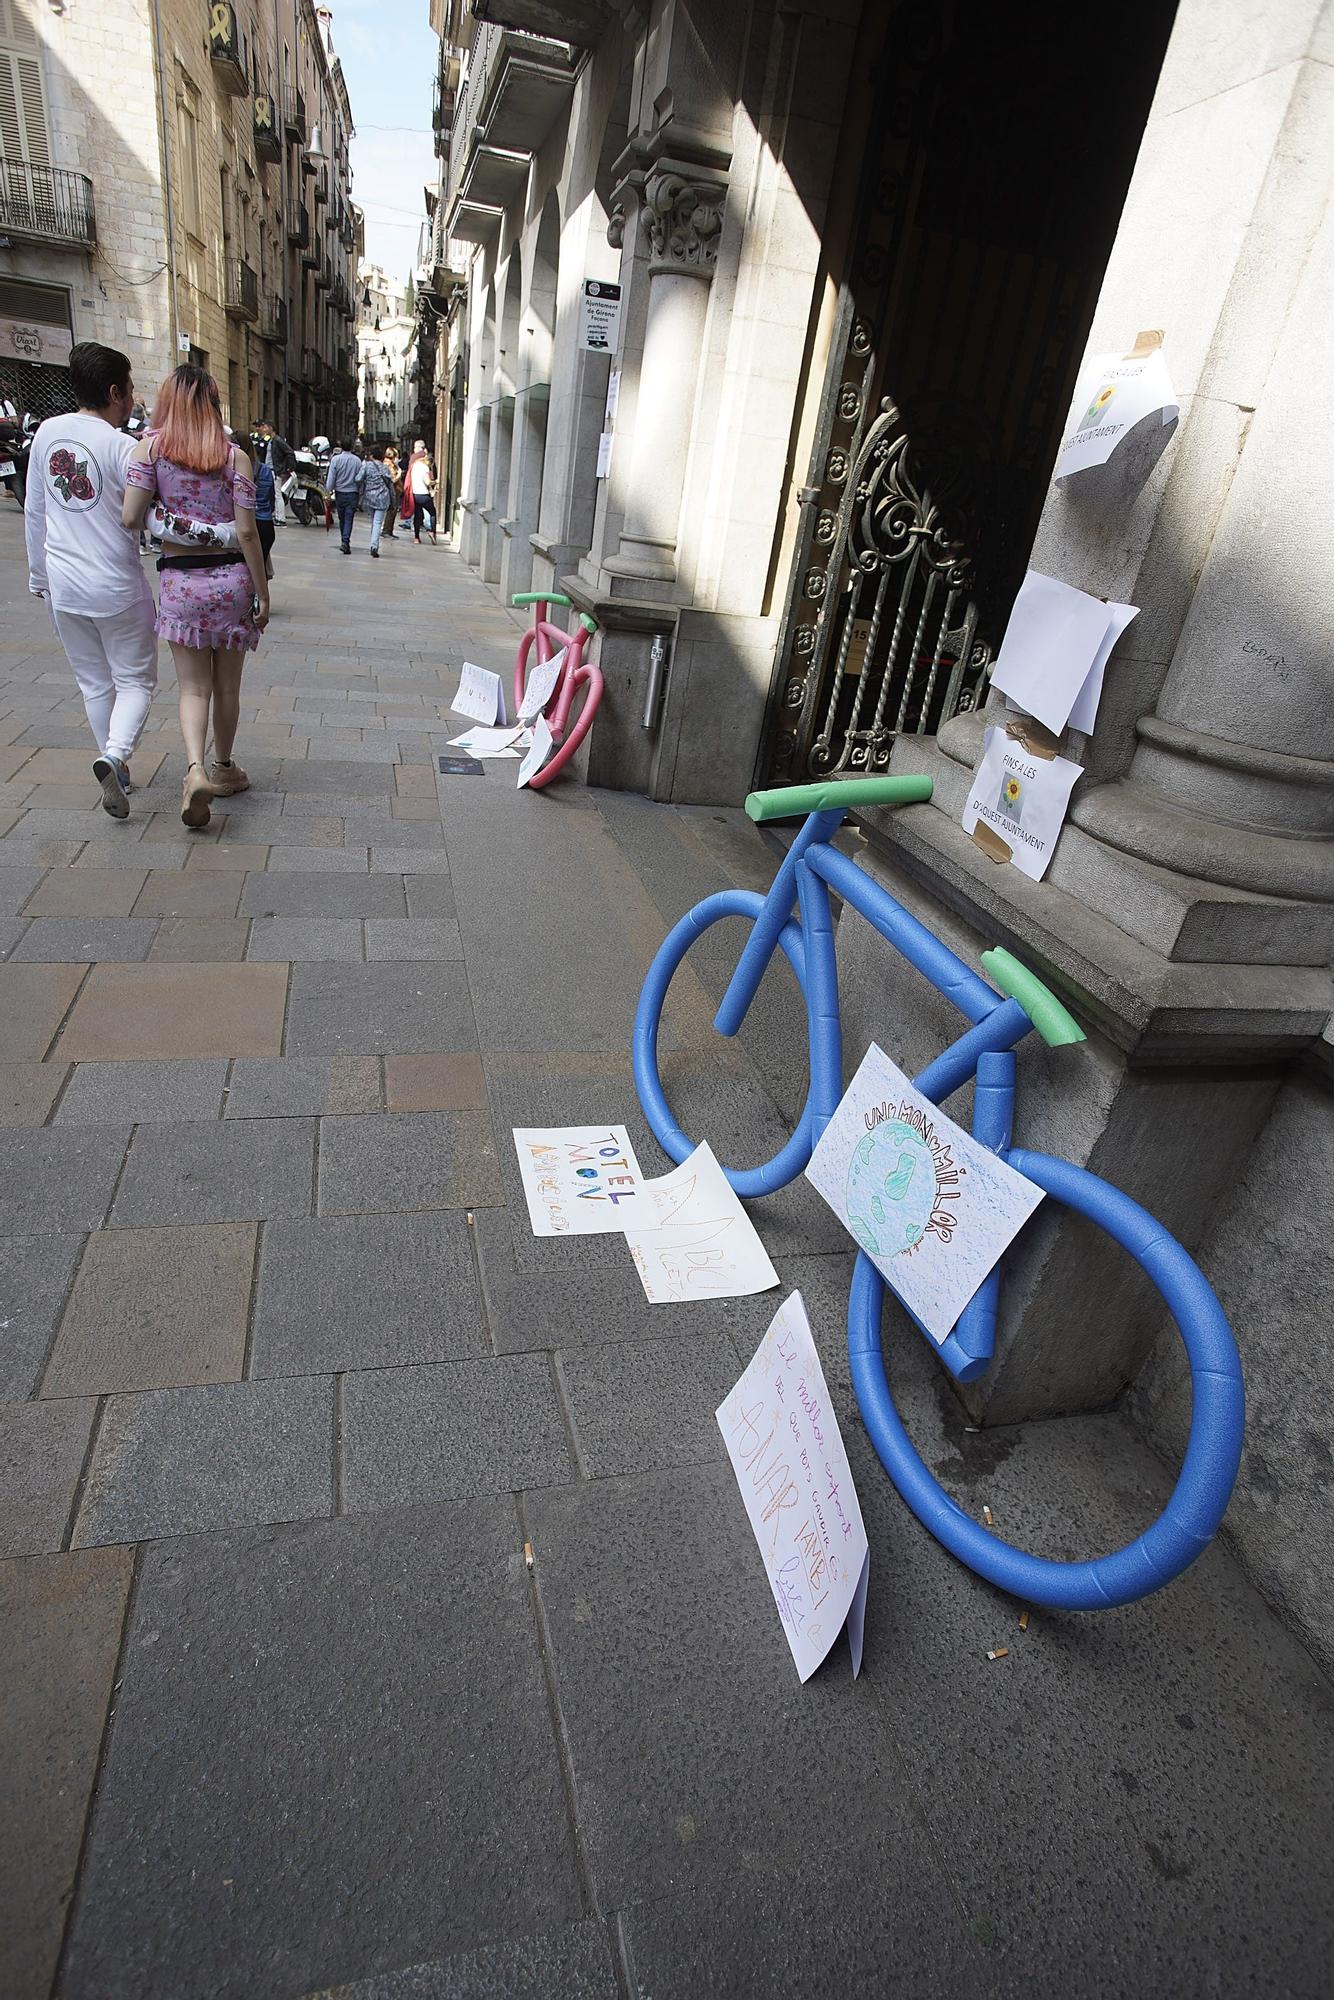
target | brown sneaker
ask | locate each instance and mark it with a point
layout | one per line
(227, 778)
(195, 795)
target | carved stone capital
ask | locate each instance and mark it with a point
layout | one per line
(681, 215)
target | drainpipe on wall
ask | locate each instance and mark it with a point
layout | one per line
(169, 205)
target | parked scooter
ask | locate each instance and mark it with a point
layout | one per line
(304, 493)
(16, 436)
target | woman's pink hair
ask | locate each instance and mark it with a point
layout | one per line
(187, 418)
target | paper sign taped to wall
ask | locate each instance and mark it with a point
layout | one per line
(1022, 798)
(692, 1239)
(796, 1486)
(1057, 639)
(1114, 392)
(931, 1208)
(578, 1180)
(479, 694)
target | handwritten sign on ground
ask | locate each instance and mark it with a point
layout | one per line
(692, 1239)
(543, 744)
(1022, 797)
(492, 743)
(796, 1486)
(931, 1208)
(479, 694)
(578, 1180)
(541, 686)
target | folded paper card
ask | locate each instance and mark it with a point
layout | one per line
(796, 1486)
(1022, 798)
(479, 694)
(1114, 392)
(578, 1180)
(931, 1208)
(511, 741)
(541, 686)
(691, 1238)
(542, 745)
(1056, 639)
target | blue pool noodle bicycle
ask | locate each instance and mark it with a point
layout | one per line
(998, 1022)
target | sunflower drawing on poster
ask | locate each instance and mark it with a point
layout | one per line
(932, 1208)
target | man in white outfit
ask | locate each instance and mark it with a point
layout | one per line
(87, 564)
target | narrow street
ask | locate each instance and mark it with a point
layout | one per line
(289, 1388)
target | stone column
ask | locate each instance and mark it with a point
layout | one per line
(680, 214)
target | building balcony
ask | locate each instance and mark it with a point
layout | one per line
(298, 223)
(527, 81)
(268, 139)
(242, 290)
(294, 115)
(321, 187)
(46, 204)
(273, 321)
(226, 48)
(323, 275)
(582, 22)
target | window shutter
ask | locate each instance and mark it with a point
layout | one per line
(32, 98)
(11, 130)
(17, 25)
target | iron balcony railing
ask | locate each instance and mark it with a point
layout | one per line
(298, 223)
(47, 204)
(242, 300)
(273, 321)
(294, 115)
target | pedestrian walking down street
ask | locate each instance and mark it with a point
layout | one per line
(344, 479)
(378, 493)
(419, 491)
(214, 602)
(82, 560)
(392, 467)
(266, 500)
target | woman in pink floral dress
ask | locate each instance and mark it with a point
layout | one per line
(214, 598)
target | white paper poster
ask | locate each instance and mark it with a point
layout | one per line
(479, 694)
(1085, 711)
(1022, 798)
(1113, 394)
(599, 315)
(931, 1208)
(692, 1239)
(541, 685)
(797, 1489)
(511, 741)
(604, 455)
(578, 1180)
(1056, 639)
(540, 749)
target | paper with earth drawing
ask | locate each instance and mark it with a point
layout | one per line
(932, 1209)
(578, 1180)
(796, 1486)
(1022, 798)
(692, 1239)
(479, 694)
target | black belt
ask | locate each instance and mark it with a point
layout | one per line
(200, 559)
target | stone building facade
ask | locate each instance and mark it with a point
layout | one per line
(159, 194)
(861, 254)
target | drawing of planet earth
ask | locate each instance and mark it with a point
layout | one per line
(891, 1189)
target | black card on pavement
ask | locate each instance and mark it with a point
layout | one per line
(459, 767)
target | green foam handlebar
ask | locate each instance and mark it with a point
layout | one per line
(795, 799)
(1056, 1025)
(539, 597)
(590, 625)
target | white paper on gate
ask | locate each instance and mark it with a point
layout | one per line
(578, 1180)
(507, 742)
(797, 1489)
(541, 686)
(1023, 797)
(931, 1208)
(1085, 711)
(1113, 394)
(692, 1239)
(539, 750)
(1053, 638)
(479, 694)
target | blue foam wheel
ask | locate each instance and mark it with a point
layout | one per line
(1190, 1519)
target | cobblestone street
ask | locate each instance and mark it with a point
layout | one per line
(288, 1386)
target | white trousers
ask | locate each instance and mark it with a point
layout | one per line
(115, 663)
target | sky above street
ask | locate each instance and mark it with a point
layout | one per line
(389, 58)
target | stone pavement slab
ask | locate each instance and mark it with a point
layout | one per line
(303, 1086)
(86, 892)
(28, 1090)
(84, 940)
(62, 1618)
(35, 1277)
(16, 886)
(139, 1093)
(296, 893)
(407, 1160)
(42, 1450)
(451, 1431)
(366, 1291)
(429, 895)
(573, 1963)
(649, 1403)
(232, 1454)
(138, 1012)
(434, 1083)
(281, 939)
(379, 1009)
(197, 942)
(59, 1182)
(34, 1000)
(241, 1170)
(418, 938)
(394, 1715)
(201, 897)
(155, 1309)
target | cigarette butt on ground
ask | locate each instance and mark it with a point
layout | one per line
(470, 1220)
(998, 1653)
(986, 1517)
(1023, 1620)
(528, 1555)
